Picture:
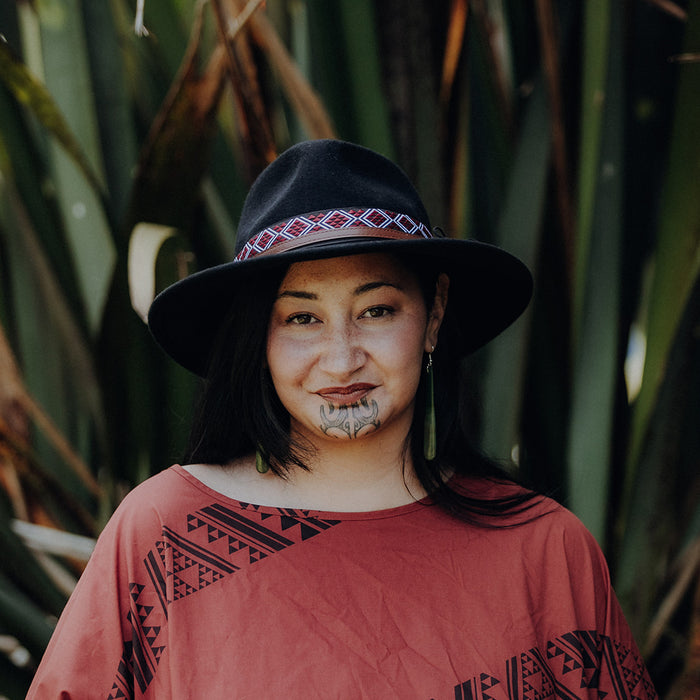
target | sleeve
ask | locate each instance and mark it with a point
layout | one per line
(90, 653)
(602, 645)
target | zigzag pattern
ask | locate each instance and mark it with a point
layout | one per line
(219, 541)
(329, 220)
(142, 653)
(580, 664)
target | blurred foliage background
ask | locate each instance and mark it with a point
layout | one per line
(567, 132)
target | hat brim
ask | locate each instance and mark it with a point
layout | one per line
(489, 289)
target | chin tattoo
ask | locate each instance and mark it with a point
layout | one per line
(350, 421)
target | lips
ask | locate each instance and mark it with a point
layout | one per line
(346, 394)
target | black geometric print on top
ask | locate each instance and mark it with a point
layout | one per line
(141, 654)
(219, 541)
(580, 664)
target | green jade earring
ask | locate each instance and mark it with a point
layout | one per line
(429, 439)
(261, 464)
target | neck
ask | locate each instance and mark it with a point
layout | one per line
(344, 476)
(357, 475)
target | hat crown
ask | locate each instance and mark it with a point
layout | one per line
(325, 199)
(322, 175)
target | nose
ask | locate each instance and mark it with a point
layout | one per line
(342, 353)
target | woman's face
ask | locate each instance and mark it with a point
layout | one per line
(345, 346)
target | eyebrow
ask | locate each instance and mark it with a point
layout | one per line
(362, 289)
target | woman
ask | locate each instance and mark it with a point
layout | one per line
(332, 534)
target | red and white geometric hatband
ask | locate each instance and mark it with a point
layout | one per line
(321, 225)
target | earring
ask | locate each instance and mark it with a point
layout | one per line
(261, 464)
(429, 439)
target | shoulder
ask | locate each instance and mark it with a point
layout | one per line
(537, 524)
(564, 534)
(156, 491)
(161, 500)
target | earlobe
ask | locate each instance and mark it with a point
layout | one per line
(437, 313)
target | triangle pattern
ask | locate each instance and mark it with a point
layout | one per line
(632, 676)
(287, 521)
(181, 561)
(181, 588)
(553, 650)
(488, 682)
(235, 545)
(529, 665)
(191, 564)
(208, 576)
(547, 689)
(529, 692)
(193, 522)
(570, 664)
(151, 633)
(143, 612)
(213, 533)
(307, 532)
(590, 677)
(135, 590)
(161, 548)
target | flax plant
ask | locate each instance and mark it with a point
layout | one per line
(565, 131)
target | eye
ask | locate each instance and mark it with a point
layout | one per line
(377, 312)
(301, 319)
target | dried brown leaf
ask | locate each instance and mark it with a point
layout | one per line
(549, 48)
(453, 47)
(254, 123)
(670, 8)
(687, 685)
(17, 407)
(176, 152)
(305, 101)
(688, 568)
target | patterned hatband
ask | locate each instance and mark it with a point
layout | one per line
(332, 224)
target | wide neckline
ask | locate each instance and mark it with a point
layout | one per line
(299, 512)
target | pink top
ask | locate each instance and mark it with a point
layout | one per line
(190, 594)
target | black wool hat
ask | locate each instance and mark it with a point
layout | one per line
(328, 198)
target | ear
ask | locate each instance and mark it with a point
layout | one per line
(437, 313)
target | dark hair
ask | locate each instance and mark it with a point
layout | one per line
(239, 411)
